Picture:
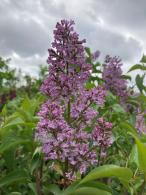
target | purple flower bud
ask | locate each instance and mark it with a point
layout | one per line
(95, 55)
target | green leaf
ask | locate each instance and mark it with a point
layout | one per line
(133, 102)
(110, 98)
(128, 127)
(32, 186)
(118, 108)
(4, 111)
(26, 116)
(15, 176)
(94, 68)
(141, 147)
(10, 122)
(96, 184)
(142, 99)
(30, 105)
(134, 155)
(126, 77)
(93, 184)
(71, 188)
(9, 157)
(139, 82)
(36, 160)
(97, 64)
(143, 60)
(137, 67)
(88, 51)
(88, 191)
(89, 85)
(13, 122)
(123, 174)
(54, 189)
(10, 141)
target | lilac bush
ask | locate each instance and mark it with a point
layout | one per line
(69, 109)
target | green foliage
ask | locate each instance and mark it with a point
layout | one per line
(137, 67)
(22, 165)
(14, 176)
(7, 75)
(123, 174)
(141, 150)
(143, 59)
(96, 71)
(89, 190)
(140, 78)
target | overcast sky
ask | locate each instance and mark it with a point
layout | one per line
(115, 27)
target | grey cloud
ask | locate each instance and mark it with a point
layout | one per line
(53, 9)
(29, 65)
(21, 32)
(26, 27)
(115, 44)
(110, 42)
(127, 16)
(23, 37)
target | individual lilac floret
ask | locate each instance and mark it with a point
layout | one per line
(112, 75)
(68, 69)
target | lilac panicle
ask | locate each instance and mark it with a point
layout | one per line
(95, 55)
(141, 122)
(102, 135)
(81, 108)
(112, 75)
(68, 69)
(64, 117)
(61, 142)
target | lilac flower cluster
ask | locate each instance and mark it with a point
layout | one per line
(64, 117)
(61, 142)
(102, 133)
(112, 75)
(81, 108)
(95, 55)
(141, 122)
(102, 136)
(68, 69)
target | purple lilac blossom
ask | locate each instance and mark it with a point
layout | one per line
(81, 108)
(68, 69)
(112, 75)
(95, 55)
(61, 142)
(63, 118)
(102, 134)
(141, 122)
